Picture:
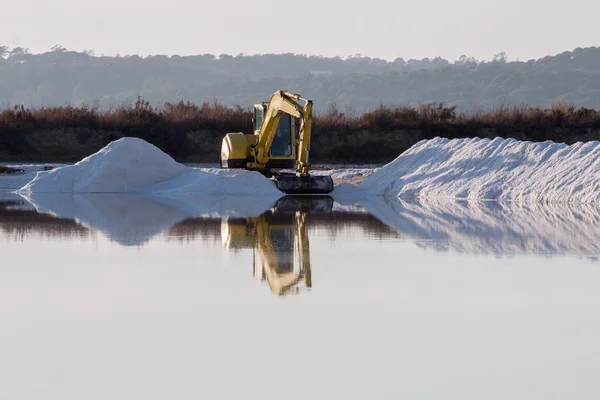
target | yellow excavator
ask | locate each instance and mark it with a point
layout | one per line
(276, 237)
(278, 141)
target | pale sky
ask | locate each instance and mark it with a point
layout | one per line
(376, 28)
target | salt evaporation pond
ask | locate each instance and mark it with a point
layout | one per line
(166, 287)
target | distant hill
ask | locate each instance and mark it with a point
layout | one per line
(354, 84)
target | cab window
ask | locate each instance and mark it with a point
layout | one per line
(282, 143)
(258, 117)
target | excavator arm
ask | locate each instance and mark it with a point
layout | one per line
(284, 102)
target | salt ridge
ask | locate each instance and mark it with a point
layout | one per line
(498, 169)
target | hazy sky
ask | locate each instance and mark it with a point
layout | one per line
(376, 28)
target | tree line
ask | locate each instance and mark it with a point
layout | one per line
(353, 84)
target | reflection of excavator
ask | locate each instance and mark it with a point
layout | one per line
(274, 236)
(278, 142)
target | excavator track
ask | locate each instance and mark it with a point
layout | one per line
(293, 184)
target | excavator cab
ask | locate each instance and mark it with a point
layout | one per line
(283, 149)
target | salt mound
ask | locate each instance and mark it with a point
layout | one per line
(502, 169)
(125, 165)
(132, 165)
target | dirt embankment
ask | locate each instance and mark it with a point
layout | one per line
(332, 146)
(193, 133)
(73, 144)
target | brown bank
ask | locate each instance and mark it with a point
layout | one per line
(192, 133)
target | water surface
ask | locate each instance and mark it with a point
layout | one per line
(123, 297)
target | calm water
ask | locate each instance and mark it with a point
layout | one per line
(125, 297)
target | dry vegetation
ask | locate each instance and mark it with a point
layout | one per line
(141, 116)
(391, 118)
(375, 136)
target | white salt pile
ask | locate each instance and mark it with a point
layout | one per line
(502, 169)
(345, 175)
(132, 165)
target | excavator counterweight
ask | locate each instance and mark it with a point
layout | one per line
(278, 143)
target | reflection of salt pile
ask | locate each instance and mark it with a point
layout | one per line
(131, 219)
(131, 165)
(504, 169)
(472, 226)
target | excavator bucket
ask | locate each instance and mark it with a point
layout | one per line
(292, 184)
